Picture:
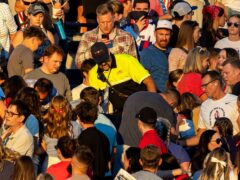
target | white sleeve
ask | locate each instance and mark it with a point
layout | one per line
(201, 124)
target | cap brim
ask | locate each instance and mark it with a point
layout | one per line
(194, 8)
(38, 12)
(163, 28)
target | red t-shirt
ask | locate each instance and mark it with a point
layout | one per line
(191, 82)
(59, 170)
(151, 137)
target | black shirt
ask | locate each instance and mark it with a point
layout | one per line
(99, 145)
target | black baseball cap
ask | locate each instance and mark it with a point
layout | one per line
(100, 52)
(147, 115)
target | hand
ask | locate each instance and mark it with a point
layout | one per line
(59, 13)
(105, 41)
(6, 133)
(180, 119)
(141, 23)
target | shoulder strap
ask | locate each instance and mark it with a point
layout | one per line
(183, 49)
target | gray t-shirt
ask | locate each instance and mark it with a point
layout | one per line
(128, 128)
(20, 59)
(143, 175)
(59, 80)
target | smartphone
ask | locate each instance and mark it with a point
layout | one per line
(105, 36)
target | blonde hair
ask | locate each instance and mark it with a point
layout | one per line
(58, 118)
(7, 154)
(194, 60)
(216, 165)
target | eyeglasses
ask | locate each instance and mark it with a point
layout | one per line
(229, 24)
(218, 140)
(28, 3)
(205, 85)
(11, 114)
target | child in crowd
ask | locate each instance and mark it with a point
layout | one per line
(185, 124)
(150, 159)
(86, 66)
(82, 160)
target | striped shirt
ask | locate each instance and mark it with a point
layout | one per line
(7, 26)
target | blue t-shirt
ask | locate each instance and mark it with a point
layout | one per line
(156, 62)
(104, 125)
(188, 133)
(2, 95)
(32, 125)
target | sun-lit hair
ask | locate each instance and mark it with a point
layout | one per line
(58, 118)
(8, 155)
(194, 60)
(216, 166)
(186, 38)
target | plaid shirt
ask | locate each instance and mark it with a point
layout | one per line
(123, 43)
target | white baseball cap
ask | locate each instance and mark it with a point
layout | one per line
(164, 24)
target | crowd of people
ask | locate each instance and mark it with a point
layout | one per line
(159, 98)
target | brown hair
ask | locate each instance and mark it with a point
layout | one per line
(174, 76)
(51, 49)
(90, 94)
(87, 112)
(188, 101)
(24, 169)
(117, 6)
(186, 38)
(104, 9)
(58, 118)
(150, 156)
(34, 31)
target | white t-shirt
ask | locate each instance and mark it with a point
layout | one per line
(224, 107)
(147, 35)
(77, 90)
(21, 142)
(226, 43)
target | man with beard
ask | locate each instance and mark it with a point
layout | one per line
(155, 57)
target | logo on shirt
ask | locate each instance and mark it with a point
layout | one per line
(215, 113)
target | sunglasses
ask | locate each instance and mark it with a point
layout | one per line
(229, 24)
(28, 3)
(218, 140)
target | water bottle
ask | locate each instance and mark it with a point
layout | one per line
(58, 26)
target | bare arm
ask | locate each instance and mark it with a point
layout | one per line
(193, 141)
(2, 109)
(81, 19)
(50, 37)
(28, 70)
(17, 39)
(149, 83)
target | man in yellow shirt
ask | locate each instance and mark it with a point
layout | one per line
(121, 73)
